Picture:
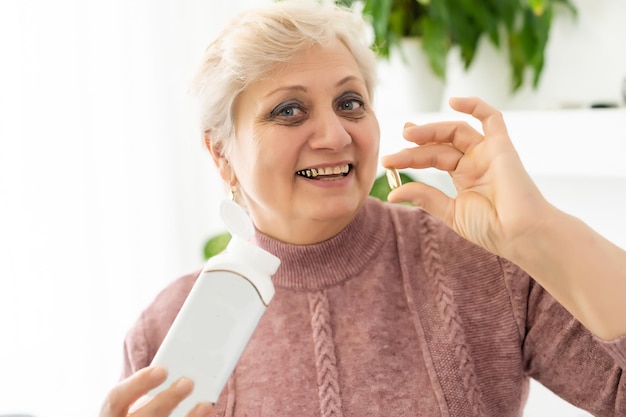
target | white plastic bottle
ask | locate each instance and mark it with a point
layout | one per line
(219, 315)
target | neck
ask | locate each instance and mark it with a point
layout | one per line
(333, 260)
(305, 231)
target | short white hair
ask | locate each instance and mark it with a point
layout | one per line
(257, 41)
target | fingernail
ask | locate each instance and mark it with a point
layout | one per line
(158, 374)
(409, 124)
(184, 385)
(204, 410)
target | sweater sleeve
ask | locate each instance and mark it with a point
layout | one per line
(135, 349)
(147, 333)
(565, 357)
(616, 348)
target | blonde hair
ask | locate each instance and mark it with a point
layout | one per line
(257, 41)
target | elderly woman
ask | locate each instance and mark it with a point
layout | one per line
(444, 308)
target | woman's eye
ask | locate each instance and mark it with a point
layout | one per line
(287, 110)
(353, 105)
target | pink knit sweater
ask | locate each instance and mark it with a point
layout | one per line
(399, 316)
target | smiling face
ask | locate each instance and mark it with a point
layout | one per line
(306, 148)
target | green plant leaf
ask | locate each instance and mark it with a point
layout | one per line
(522, 25)
(380, 188)
(345, 3)
(435, 44)
(538, 6)
(216, 244)
(377, 12)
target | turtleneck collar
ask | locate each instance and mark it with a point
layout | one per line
(324, 264)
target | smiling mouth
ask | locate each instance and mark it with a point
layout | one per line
(327, 173)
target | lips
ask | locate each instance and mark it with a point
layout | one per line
(326, 172)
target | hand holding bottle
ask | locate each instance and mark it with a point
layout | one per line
(129, 396)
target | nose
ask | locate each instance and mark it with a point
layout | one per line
(330, 132)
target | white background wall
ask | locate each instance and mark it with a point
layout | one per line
(106, 193)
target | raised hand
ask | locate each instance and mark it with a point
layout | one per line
(497, 201)
(499, 208)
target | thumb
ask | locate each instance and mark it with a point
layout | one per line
(201, 410)
(425, 197)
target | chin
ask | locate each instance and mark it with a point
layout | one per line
(337, 208)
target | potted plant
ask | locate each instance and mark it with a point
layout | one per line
(520, 26)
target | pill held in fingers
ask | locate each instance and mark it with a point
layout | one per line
(393, 178)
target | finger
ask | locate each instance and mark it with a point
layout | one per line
(165, 401)
(201, 410)
(426, 197)
(124, 394)
(458, 133)
(490, 117)
(440, 156)
(139, 403)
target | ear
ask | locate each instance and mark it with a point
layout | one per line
(216, 149)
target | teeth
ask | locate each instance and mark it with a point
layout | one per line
(314, 172)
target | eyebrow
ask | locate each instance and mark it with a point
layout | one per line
(287, 88)
(304, 89)
(344, 80)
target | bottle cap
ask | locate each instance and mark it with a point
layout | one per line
(260, 264)
(236, 219)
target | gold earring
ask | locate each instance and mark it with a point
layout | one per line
(233, 193)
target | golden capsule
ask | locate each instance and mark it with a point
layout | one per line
(393, 178)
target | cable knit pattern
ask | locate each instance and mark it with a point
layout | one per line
(325, 360)
(447, 309)
(518, 293)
